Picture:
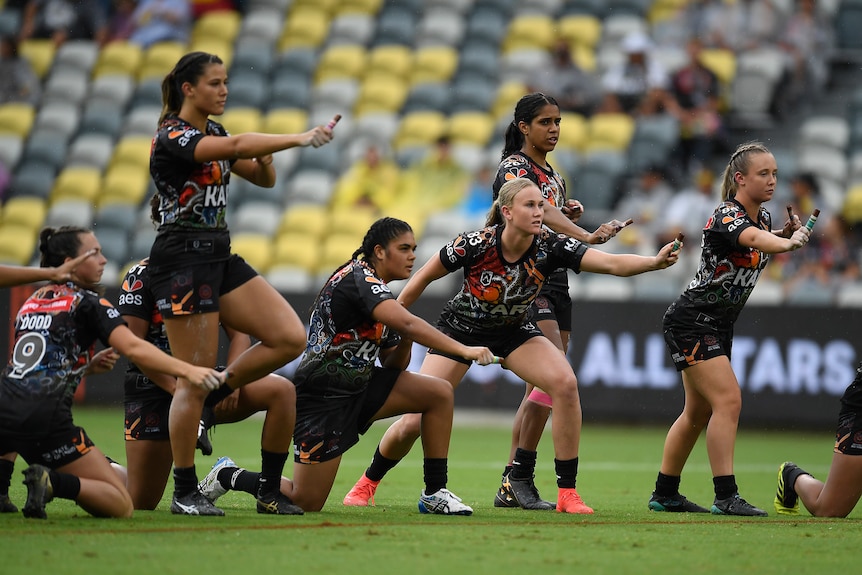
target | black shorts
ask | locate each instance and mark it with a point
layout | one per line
(196, 288)
(554, 305)
(148, 419)
(848, 435)
(326, 427)
(688, 348)
(61, 447)
(500, 343)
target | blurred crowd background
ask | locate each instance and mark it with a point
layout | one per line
(655, 94)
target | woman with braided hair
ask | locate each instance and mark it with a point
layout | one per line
(340, 391)
(738, 241)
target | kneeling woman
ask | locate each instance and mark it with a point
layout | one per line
(339, 389)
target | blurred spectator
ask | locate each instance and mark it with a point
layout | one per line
(645, 202)
(808, 41)
(830, 260)
(437, 182)
(371, 181)
(628, 83)
(805, 196)
(574, 88)
(696, 90)
(690, 209)
(61, 20)
(160, 21)
(20, 83)
(121, 22)
(478, 199)
(739, 25)
(201, 7)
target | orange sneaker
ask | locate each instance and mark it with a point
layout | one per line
(362, 493)
(568, 501)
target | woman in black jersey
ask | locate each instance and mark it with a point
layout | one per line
(197, 283)
(55, 331)
(147, 399)
(505, 266)
(839, 494)
(737, 243)
(340, 391)
(530, 137)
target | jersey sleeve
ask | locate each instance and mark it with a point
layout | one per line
(135, 297)
(369, 291)
(729, 220)
(455, 254)
(568, 251)
(103, 317)
(514, 166)
(180, 141)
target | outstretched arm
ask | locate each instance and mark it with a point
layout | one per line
(432, 270)
(18, 275)
(626, 265)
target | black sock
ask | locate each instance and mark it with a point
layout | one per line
(796, 474)
(6, 469)
(667, 485)
(567, 472)
(379, 466)
(239, 479)
(436, 474)
(218, 394)
(725, 486)
(272, 464)
(507, 471)
(524, 464)
(65, 486)
(185, 481)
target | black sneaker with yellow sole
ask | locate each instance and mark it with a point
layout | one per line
(277, 503)
(524, 493)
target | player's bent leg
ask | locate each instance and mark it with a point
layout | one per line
(839, 494)
(148, 467)
(312, 483)
(102, 494)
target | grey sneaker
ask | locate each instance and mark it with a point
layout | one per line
(6, 505)
(736, 505)
(194, 504)
(39, 491)
(675, 504)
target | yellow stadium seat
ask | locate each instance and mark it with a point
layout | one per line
(159, 59)
(311, 220)
(285, 121)
(304, 27)
(79, 182)
(852, 208)
(119, 57)
(584, 57)
(297, 249)
(530, 31)
(391, 59)
(256, 249)
(380, 93)
(580, 30)
(241, 120)
(124, 183)
(338, 249)
(721, 62)
(610, 131)
(434, 64)
(352, 220)
(358, 6)
(325, 6)
(40, 54)
(573, 132)
(471, 128)
(341, 61)
(508, 95)
(17, 118)
(17, 244)
(24, 211)
(213, 45)
(420, 128)
(132, 150)
(223, 24)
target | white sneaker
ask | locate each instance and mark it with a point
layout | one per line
(210, 486)
(443, 502)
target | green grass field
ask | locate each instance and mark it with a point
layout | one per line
(617, 474)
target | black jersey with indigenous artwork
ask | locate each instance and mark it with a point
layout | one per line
(55, 331)
(727, 274)
(497, 294)
(136, 300)
(553, 188)
(192, 195)
(344, 340)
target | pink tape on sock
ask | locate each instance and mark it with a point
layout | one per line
(540, 397)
